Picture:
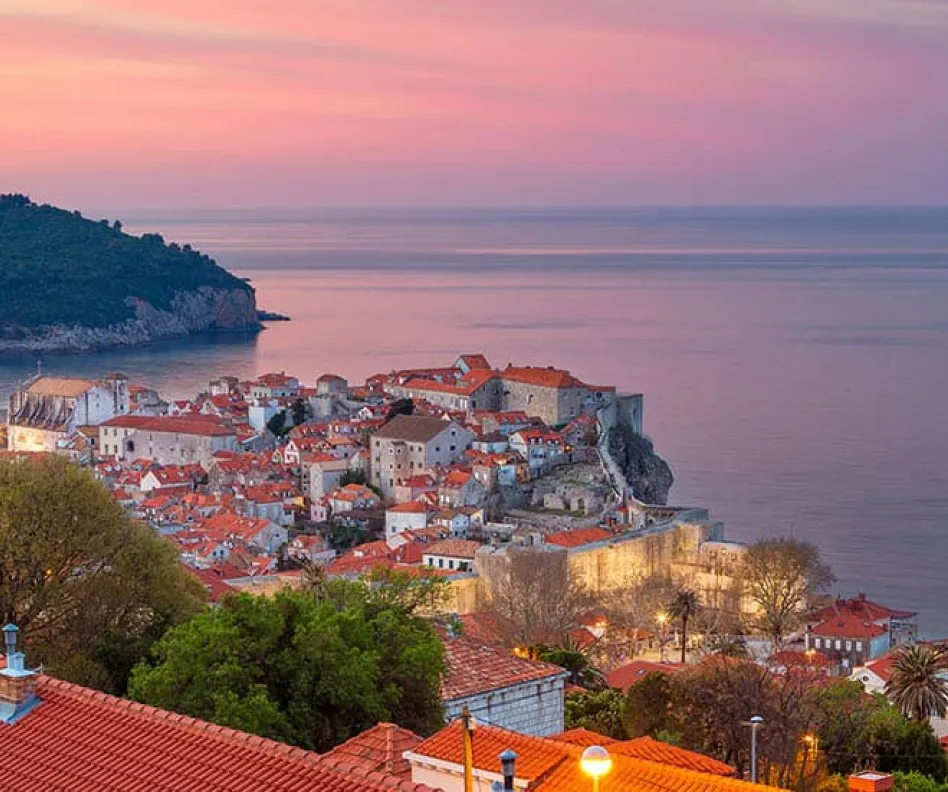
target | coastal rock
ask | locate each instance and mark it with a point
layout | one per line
(649, 476)
(201, 310)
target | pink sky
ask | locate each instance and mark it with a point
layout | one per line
(125, 104)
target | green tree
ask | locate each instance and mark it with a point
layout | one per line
(400, 407)
(917, 684)
(277, 425)
(90, 589)
(780, 576)
(311, 668)
(570, 657)
(916, 782)
(298, 411)
(598, 710)
(684, 607)
(647, 711)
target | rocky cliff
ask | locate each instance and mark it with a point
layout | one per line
(68, 283)
(649, 476)
(204, 309)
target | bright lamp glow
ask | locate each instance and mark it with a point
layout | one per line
(595, 761)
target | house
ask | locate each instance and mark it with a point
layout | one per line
(543, 449)
(476, 389)
(634, 671)
(411, 488)
(852, 632)
(324, 474)
(554, 395)
(468, 363)
(352, 496)
(269, 502)
(165, 439)
(455, 554)
(172, 477)
(89, 740)
(460, 488)
(45, 411)
(263, 534)
(408, 516)
(552, 764)
(380, 749)
(412, 444)
(457, 523)
(275, 386)
(331, 385)
(311, 549)
(500, 689)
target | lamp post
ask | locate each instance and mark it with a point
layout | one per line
(595, 762)
(755, 723)
(662, 619)
(809, 741)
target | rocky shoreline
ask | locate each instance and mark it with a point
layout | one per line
(202, 310)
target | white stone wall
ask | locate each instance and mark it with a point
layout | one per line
(165, 448)
(396, 522)
(531, 707)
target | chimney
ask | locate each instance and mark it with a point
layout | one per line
(17, 684)
(871, 781)
(508, 761)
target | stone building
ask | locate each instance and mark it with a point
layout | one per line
(478, 389)
(45, 411)
(166, 440)
(501, 689)
(412, 444)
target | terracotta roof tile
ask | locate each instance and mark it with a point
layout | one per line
(379, 748)
(457, 548)
(578, 537)
(542, 377)
(663, 753)
(475, 667)
(81, 740)
(627, 675)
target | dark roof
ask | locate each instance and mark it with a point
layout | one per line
(412, 428)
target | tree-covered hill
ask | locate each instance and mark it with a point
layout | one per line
(59, 268)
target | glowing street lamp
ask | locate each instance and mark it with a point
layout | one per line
(595, 762)
(662, 619)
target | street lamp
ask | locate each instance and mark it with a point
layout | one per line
(755, 723)
(809, 741)
(595, 762)
(662, 619)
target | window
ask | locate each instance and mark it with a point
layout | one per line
(437, 449)
(451, 564)
(849, 646)
(858, 646)
(839, 644)
(816, 643)
(131, 446)
(441, 563)
(452, 448)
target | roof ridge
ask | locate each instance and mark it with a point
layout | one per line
(177, 719)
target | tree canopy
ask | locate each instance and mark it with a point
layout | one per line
(781, 576)
(57, 267)
(311, 668)
(90, 589)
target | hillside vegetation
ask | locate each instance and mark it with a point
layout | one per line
(59, 268)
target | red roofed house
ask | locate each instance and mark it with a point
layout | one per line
(352, 496)
(58, 736)
(457, 554)
(378, 749)
(172, 477)
(853, 631)
(542, 448)
(634, 671)
(410, 516)
(554, 395)
(265, 534)
(552, 765)
(166, 440)
(275, 386)
(460, 488)
(468, 363)
(499, 688)
(578, 537)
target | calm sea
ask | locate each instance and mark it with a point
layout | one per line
(795, 362)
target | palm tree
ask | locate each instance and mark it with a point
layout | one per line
(684, 607)
(917, 683)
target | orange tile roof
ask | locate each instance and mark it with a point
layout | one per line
(475, 361)
(627, 675)
(203, 425)
(475, 667)
(379, 748)
(457, 548)
(409, 507)
(82, 740)
(639, 775)
(549, 765)
(848, 627)
(671, 755)
(578, 537)
(542, 377)
(582, 737)
(535, 756)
